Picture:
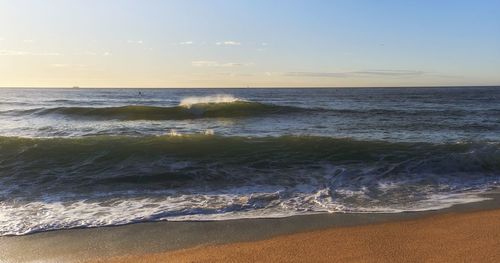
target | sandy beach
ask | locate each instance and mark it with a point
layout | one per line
(467, 232)
(451, 237)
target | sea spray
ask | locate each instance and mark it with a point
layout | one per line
(221, 98)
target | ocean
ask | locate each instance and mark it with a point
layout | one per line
(99, 157)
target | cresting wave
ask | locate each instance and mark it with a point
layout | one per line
(196, 108)
(221, 98)
(221, 106)
(195, 111)
(92, 181)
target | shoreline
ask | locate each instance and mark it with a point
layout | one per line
(151, 238)
(451, 237)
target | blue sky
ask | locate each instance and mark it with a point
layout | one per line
(111, 43)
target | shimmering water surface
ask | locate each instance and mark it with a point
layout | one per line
(94, 157)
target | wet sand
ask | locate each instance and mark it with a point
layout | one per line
(452, 237)
(473, 226)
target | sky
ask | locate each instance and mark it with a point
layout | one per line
(249, 43)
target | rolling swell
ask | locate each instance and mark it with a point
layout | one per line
(234, 109)
(19, 155)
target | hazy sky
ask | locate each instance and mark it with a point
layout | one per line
(208, 43)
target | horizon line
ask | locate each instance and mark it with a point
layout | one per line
(249, 87)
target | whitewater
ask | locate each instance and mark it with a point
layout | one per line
(99, 157)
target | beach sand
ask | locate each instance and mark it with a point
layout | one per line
(450, 237)
(468, 232)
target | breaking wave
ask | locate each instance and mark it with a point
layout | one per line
(185, 111)
(210, 177)
(190, 101)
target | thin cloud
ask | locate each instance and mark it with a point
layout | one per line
(366, 73)
(262, 46)
(232, 64)
(316, 74)
(228, 43)
(206, 63)
(186, 43)
(26, 53)
(137, 42)
(94, 53)
(62, 65)
(233, 74)
(396, 73)
(59, 65)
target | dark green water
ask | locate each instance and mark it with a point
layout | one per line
(84, 157)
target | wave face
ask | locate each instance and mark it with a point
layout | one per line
(190, 108)
(59, 183)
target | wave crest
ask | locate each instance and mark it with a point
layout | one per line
(221, 109)
(221, 98)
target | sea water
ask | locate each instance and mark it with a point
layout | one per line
(96, 157)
